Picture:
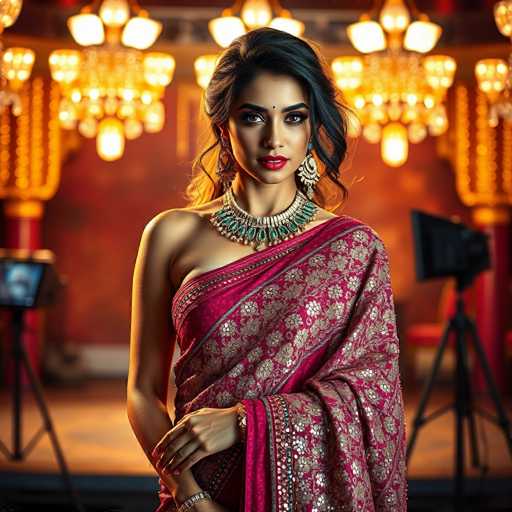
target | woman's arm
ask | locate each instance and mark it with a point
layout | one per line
(152, 342)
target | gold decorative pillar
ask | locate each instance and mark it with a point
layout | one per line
(29, 176)
(482, 159)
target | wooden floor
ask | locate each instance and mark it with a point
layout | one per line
(96, 437)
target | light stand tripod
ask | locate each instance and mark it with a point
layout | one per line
(20, 359)
(463, 328)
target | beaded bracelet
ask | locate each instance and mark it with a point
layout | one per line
(192, 500)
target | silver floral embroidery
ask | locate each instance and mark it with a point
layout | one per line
(284, 354)
(313, 308)
(335, 291)
(293, 291)
(293, 274)
(228, 328)
(315, 277)
(224, 398)
(293, 321)
(237, 370)
(254, 354)
(317, 260)
(251, 327)
(339, 246)
(264, 369)
(271, 291)
(249, 308)
(275, 338)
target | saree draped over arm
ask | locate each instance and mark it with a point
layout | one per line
(303, 334)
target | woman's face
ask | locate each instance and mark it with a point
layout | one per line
(270, 118)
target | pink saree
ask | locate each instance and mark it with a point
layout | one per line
(303, 333)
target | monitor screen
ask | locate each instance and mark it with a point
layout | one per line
(20, 282)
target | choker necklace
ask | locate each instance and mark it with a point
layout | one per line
(237, 224)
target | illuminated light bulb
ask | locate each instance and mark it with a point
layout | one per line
(409, 114)
(394, 16)
(379, 115)
(226, 29)
(114, 13)
(86, 29)
(503, 17)
(366, 36)
(204, 67)
(17, 65)
(126, 110)
(491, 75)
(110, 139)
(88, 127)
(372, 133)
(94, 109)
(256, 13)
(141, 32)
(111, 104)
(422, 36)
(288, 24)
(395, 110)
(9, 12)
(146, 97)
(67, 114)
(158, 68)
(359, 101)
(65, 65)
(417, 132)
(133, 129)
(348, 72)
(394, 144)
(429, 101)
(439, 71)
(154, 117)
(438, 121)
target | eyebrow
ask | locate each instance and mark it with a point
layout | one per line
(263, 109)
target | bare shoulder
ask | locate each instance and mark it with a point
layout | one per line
(171, 227)
(174, 228)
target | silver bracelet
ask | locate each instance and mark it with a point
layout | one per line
(192, 500)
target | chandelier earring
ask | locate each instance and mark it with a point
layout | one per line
(308, 172)
(226, 170)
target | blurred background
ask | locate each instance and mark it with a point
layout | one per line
(99, 124)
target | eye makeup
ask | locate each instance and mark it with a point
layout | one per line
(245, 117)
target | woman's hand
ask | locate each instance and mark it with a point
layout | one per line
(196, 436)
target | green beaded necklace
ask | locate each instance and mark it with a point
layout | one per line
(236, 224)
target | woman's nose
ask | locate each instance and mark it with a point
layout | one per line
(273, 135)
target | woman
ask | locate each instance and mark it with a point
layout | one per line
(287, 387)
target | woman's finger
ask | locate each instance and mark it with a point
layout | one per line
(176, 445)
(189, 461)
(169, 436)
(182, 455)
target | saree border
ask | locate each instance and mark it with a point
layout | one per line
(281, 467)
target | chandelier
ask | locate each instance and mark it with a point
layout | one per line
(494, 76)
(15, 63)
(112, 89)
(396, 92)
(235, 21)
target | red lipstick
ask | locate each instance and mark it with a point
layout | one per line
(273, 162)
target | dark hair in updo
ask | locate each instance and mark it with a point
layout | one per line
(270, 50)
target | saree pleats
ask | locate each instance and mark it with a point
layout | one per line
(304, 334)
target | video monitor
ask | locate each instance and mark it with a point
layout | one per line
(20, 282)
